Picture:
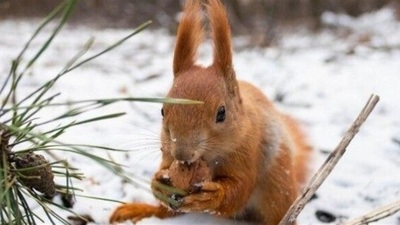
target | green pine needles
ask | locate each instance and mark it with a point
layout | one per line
(28, 163)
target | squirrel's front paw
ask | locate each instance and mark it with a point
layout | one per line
(207, 199)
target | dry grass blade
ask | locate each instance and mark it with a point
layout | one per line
(329, 164)
(377, 214)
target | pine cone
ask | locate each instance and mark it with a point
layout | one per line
(40, 177)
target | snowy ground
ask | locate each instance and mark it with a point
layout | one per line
(323, 80)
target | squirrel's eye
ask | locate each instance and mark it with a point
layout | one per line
(162, 112)
(221, 114)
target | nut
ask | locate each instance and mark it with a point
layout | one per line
(186, 176)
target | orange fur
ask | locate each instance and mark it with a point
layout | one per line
(221, 35)
(190, 35)
(257, 155)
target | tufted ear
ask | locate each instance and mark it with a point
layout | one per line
(189, 37)
(221, 33)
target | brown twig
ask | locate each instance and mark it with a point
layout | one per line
(329, 164)
(377, 214)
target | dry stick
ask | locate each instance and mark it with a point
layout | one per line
(376, 214)
(329, 164)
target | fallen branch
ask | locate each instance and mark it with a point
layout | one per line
(377, 214)
(329, 164)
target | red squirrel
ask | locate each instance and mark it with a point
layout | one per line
(257, 155)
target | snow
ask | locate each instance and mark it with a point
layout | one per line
(322, 79)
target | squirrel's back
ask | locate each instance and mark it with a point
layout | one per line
(282, 157)
(281, 128)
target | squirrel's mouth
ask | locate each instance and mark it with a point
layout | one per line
(188, 163)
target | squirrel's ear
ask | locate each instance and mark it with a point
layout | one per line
(221, 33)
(189, 37)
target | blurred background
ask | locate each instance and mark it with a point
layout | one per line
(318, 60)
(262, 19)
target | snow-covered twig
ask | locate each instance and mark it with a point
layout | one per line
(376, 214)
(329, 164)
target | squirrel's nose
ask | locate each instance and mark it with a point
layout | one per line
(183, 155)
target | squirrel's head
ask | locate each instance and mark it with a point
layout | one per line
(202, 130)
